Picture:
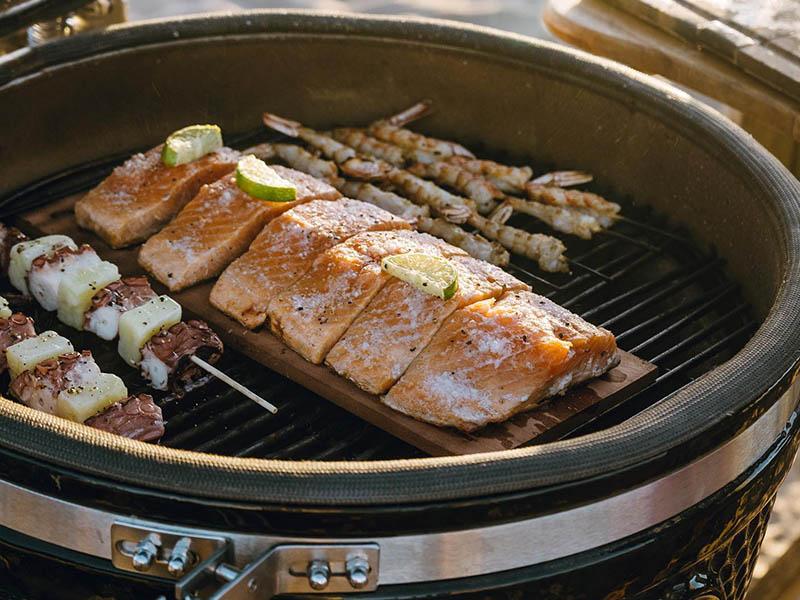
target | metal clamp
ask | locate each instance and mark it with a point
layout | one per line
(205, 570)
(285, 569)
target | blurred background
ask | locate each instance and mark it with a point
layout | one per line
(520, 16)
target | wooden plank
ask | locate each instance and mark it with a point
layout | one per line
(551, 420)
(767, 57)
(595, 26)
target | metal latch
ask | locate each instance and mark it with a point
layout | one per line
(204, 569)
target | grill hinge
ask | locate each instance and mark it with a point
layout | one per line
(204, 565)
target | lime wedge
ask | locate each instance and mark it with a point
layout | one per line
(190, 143)
(433, 275)
(255, 178)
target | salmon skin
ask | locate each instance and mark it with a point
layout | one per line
(318, 308)
(216, 227)
(400, 320)
(285, 249)
(143, 194)
(495, 358)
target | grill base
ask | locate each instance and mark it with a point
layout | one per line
(711, 547)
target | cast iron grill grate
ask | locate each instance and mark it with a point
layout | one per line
(667, 301)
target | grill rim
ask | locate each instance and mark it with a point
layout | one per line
(723, 399)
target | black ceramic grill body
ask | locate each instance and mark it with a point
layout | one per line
(80, 101)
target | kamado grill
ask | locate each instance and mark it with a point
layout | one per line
(663, 495)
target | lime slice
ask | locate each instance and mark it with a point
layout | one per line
(190, 143)
(254, 177)
(431, 274)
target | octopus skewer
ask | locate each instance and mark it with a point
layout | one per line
(91, 295)
(47, 374)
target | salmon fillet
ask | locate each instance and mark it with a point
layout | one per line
(495, 358)
(143, 194)
(400, 321)
(318, 308)
(216, 227)
(285, 249)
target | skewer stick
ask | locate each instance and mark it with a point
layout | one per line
(234, 384)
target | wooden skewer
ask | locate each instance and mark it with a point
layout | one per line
(234, 384)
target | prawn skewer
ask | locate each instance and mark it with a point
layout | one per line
(507, 179)
(476, 245)
(546, 250)
(482, 191)
(366, 144)
(556, 196)
(565, 220)
(422, 148)
(298, 158)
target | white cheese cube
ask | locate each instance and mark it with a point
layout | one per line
(26, 354)
(138, 325)
(24, 253)
(77, 287)
(82, 402)
(5, 311)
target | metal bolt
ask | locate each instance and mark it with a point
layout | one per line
(145, 553)
(319, 574)
(357, 569)
(179, 558)
(252, 585)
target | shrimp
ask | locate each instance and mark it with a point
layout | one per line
(507, 179)
(546, 250)
(297, 158)
(365, 144)
(453, 208)
(565, 220)
(391, 130)
(475, 245)
(564, 178)
(473, 186)
(397, 205)
(573, 199)
(324, 143)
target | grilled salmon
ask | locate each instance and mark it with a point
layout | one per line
(143, 194)
(284, 250)
(495, 358)
(312, 314)
(400, 321)
(216, 227)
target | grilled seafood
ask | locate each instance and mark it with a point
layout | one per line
(71, 385)
(563, 178)
(574, 199)
(370, 146)
(217, 226)
(495, 358)
(400, 321)
(298, 158)
(313, 313)
(473, 186)
(284, 250)
(565, 220)
(388, 201)
(546, 250)
(475, 245)
(423, 148)
(143, 194)
(507, 179)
